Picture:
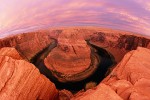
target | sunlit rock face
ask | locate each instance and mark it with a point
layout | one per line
(11, 52)
(21, 80)
(128, 79)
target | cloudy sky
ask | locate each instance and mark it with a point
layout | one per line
(25, 15)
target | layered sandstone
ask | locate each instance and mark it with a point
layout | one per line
(27, 44)
(20, 80)
(70, 57)
(11, 52)
(130, 80)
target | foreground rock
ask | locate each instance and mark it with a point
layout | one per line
(20, 80)
(71, 57)
(130, 80)
(101, 92)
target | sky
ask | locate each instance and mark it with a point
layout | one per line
(18, 16)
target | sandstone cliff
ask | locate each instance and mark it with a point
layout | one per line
(130, 80)
(20, 80)
(27, 44)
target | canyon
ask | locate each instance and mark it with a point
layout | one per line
(77, 63)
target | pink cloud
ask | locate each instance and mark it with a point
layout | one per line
(130, 15)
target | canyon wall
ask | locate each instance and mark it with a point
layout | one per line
(27, 44)
(117, 42)
(30, 44)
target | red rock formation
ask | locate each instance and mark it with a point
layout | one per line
(70, 57)
(130, 80)
(101, 92)
(114, 41)
(27, 44)
(20, 80)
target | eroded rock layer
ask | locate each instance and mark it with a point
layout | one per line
(21, 80)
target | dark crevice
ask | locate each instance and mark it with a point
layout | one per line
(74, 50)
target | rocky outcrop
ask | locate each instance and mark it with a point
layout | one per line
(20, 80)
(27, 44)
(130, 80)
(70, 57)
(101, 92)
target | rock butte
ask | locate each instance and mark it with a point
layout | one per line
(21, 80)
